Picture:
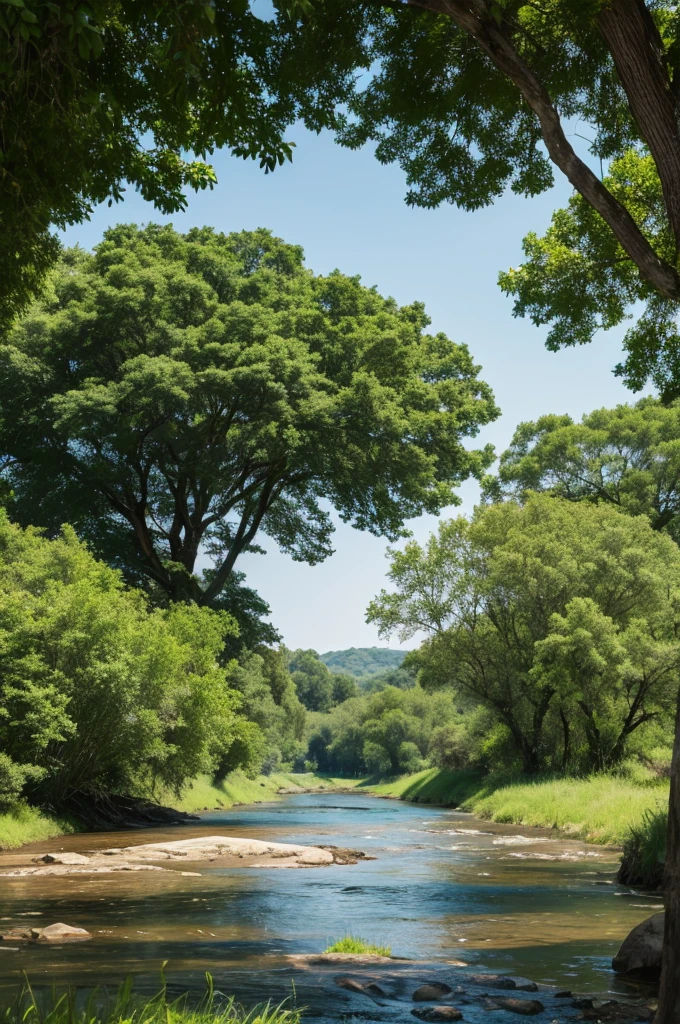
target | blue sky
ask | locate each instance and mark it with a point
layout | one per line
(348, 211)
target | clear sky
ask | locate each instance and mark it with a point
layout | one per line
(348, 211)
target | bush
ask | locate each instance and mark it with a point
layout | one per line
(644, 851)
(99, 693)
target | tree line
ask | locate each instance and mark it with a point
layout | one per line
(470, 97)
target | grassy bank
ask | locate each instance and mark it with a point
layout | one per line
(23, 824)
(600, 809)
(205, 795)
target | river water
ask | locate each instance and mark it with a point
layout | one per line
(444, 885)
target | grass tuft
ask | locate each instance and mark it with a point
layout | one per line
(353, 944)
(72, 1006)
(644, 851)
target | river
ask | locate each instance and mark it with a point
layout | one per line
(444, 885)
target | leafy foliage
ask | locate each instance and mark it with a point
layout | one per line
(97, 692)
(628, 457)
(317, 687)
(559, 619)
(578, 279)
(97, 95)
(388, 733)
(181, 392)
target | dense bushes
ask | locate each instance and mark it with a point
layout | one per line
(390, 732)
(560, 619)
(98, 692)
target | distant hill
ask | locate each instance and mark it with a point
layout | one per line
(363, 661)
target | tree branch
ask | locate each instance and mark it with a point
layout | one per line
(634, 42)
(475, 18)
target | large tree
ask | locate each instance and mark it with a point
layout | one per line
(560, 619)
(96, 97)
(174, 395)
(472, 97)
(628, 457)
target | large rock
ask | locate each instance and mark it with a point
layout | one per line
(62, 933)
(525, 1007)
(64, 858)
(428, 993)
(437, 1013)
(52, 933)
(641, 950)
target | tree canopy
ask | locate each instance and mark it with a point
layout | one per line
(472, 97)
(318, 688)
(560, 619)
(96, 97)
(175, 394)
(99, 693)
(628, 457)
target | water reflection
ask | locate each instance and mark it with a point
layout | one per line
(443, 886)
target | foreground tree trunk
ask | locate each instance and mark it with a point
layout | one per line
(669, 995)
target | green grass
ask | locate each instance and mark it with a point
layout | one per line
(73, 1007)
(644, 851)
(601, 808)
(205, 795)
(353, 944)
(23, 824)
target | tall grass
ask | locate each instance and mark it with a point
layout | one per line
(353, 944)
(601, 808)
(72, 1006)
(22, 824)
(644, 851)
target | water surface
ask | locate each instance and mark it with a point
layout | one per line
(444, 886)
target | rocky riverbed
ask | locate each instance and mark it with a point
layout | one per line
(221, 851)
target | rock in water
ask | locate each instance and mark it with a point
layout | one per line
(492, 981)
(53, 933)
(434, 990)
(437, 1013)
(62, 933)
(525, 1007)
(641, 950)
(64, 858)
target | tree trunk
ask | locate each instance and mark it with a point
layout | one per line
(566, 731)
(669, 995)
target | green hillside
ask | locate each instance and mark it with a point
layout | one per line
(363, 661)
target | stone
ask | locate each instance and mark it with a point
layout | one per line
(566, 994)
(437, 1013)
(365, 988)
(17, 935)
(62, 933)
(525, 1007)
(524, 985)
(492, 981)
(350, 984)
(640, 952)
(64, 858)
(614, 1011)
(433, 990)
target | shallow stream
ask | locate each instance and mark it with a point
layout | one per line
(443, 886)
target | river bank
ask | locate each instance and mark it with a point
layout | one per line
(24, 824)
(444, 886)
(600, 809)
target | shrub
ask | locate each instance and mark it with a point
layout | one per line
(644, 851)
